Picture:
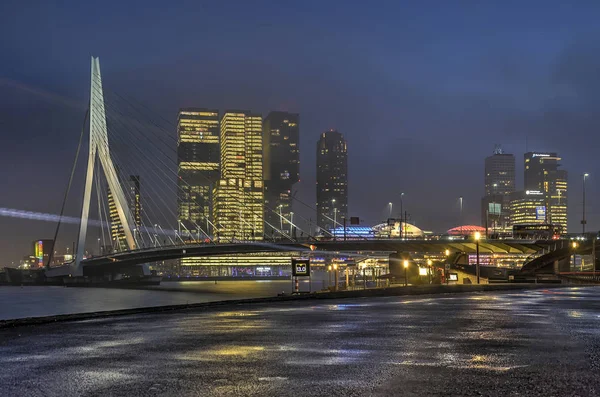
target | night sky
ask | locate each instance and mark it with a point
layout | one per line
(421, 90)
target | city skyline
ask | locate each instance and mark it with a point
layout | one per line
(419, 120)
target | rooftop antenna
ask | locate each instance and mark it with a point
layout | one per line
(498, 149)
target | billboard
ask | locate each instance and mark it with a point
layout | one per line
(540, 213)
(494, 209)
(300, 267)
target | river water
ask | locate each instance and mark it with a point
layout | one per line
(34, 301)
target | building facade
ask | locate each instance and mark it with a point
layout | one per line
(131, 188)
(281, 142)
(542, 173)
(528, 207)
(499, 181)
(332, 180)
(198, 155)
(238, 204)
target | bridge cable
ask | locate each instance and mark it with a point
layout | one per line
(68, 189)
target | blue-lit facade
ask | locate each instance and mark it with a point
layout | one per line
(353, 232)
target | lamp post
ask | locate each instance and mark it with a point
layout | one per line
(574, 245)
(429, 263)
(390, 205)
(401, 212)
(335, 275)
(446, 265)
(477, 237)
(460, 199)
(291, 222)
(583, 221)
(405, 273)
(334, 219)
(280, 218)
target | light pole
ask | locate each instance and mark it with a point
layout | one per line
(280, 219)
(291, 222)
(583, 221)
(405, 273)
(446, 265)
(99, 249)
(460, 199)
(429, 263)
(477, 237)
(401, 212)
(335, 276)
(574, 245)
(390, 204)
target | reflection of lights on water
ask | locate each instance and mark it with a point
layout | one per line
(575, 314)
(236, 314)
(225, 351)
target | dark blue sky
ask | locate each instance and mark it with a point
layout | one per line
(422, 92)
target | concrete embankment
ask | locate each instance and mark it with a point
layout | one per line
(375, 292)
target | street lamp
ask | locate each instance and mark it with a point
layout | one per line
(280, 218)
(401, 214)
(335, 276)
(574, 245)
(390, 204)
(405, 273)
(583, 221)
(477, 237)
(429, 263)
(460, 199)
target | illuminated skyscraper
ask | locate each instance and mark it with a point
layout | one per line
(238, 208)
(542, 173)
(281, 168)
(332, 179)
(131, 189)
(198, 167)
(499, 181)
(527, 207)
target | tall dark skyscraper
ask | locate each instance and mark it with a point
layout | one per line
(198, 155)
(542, 174)
(332, 179)
(281, 142)
(499, 179)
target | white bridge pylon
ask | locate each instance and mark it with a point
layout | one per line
(99, 145)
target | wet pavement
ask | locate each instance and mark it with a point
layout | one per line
(538, 342)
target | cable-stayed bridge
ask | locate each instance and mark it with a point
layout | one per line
(129, 153)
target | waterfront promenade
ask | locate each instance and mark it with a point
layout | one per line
(526, 342)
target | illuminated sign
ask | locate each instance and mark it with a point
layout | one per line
(540, 213)
(494, 208)
(540, 155)
(453, 276)
(300, 267)
(535, 192)
(422, 271)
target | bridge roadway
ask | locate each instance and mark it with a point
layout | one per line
(520, 343)
(350, 246)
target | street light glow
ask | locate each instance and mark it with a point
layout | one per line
(477, 235)
(447, 252)
(405, 263)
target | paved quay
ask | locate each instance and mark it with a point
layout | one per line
(493, 343)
